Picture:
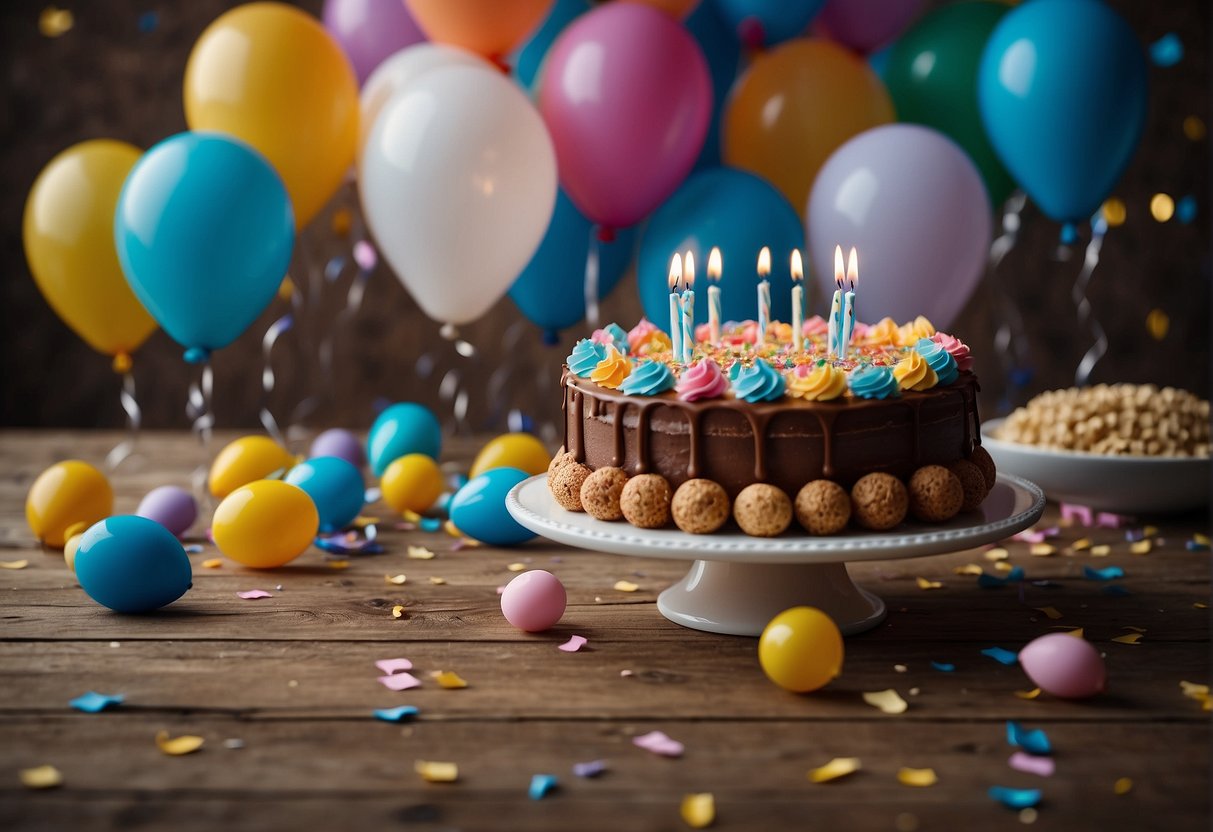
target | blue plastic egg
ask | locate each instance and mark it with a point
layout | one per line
(402, 429)
(334, 485)
(132, 564)
(478, 509)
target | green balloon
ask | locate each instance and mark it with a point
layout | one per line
(932, 78)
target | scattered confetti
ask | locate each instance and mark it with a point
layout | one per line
(574, 644)
(1167, 51)
(1029, 536)
(592, 768)
(1201, 539)
(626, 586)
(1050, 612)
(987, 581)
(920, 777)
(900, 668)
(1128, 638)
(437, 581)
(1015, 798)
(450, 528)
(1142, 547)
(41, 777)
(1114, 211)
(997, 553)
(837, 768)
(1193, 690)
(1031, 740)
(656, 742)
(338, 564)
(1001, 656)
(1135, 629)
(1194, 128)
(1074, 513)
(1081, 545)
(1004, 566)
(541, 786)
(54, 22)
(420, 553)
(699, 810)
(365, 255)
(968, 569)
(397, 611)
(1122, 786)
(1042, 766)
(177, 746)
(450, 680)
(390, 666)
(430, 524)
(1149, 531)
(193, 549)
(944, 667)
(93, 702)
(396, 579)
(516, 567)
(1101, 551)
(888, 701)
(923, 583)
(1079, 633)
(400, 681)
(1111, 520)
(1108, 573)
(399, 714)
(435, 772)
(254, 594)
(212, 563)
(1028, 694)
(1134, 535)
(13, 564)
(1200, 605)
(1041, 550)
(1195, 545)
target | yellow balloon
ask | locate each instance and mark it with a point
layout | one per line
(795, 106)
(512, 450)
(244, 460)
(265, 523)
(68, 230)
(411, 483)
(69, 552)
(271, 75)
(64, 495)
(801, 649)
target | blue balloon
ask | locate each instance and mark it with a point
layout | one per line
(1062, 88)
(478, 509)
(204, 231)
(740, 213)
(879, 60)
(334, 485)
(132, 564)
(551, 289)
(767, 22)
(527, 59)
(401, 429)
(721, 48)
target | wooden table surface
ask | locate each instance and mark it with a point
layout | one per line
(292, 678)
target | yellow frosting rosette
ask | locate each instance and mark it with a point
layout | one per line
(820, 384)
(885, 331)
(612, 370)
(914, 373)
(655, 342)
(909, 334)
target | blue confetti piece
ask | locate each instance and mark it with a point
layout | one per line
(1195, 545)
(1134, 535)
(1031, 740)
(541, 786)
(1022, 376)
(993, 581)
(1015, 798)
(1167, 51)
(1185, 209)
(943, 667)
(1001, 656)
(430, 524)
(94, 703)
(193, 549)
(332, 269)
(1108, 573)
(1115, 590)
(148, 22)
(591, 769)
(399, 714)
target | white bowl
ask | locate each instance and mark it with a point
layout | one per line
(1128, 484)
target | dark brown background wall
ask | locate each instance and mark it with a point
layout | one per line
(107, 78)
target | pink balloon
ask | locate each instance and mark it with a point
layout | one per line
(370, 30)
(866, 25)
(914, 206)
(627, 97)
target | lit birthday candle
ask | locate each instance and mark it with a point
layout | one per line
(833, 333)
(764, 293)
(848, 304)
(675, 308)
(688, 308)
(797, 268)
(714, 270)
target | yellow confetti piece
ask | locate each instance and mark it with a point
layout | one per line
(1134, 629)
(13, 564)
(54, 21)
(1028, 694)
(342, 222)
(212, 563)
(177, 746)
(1128, 638)
(361, 522)
(435, 772)
(410, 516)
(1041, 550)
(1114, 211)
(1101, 551)
(397, 611)
(699, 810)
(968, 569)
(420, 553)
(436, 581)
(888, 701)
(833, 770)
(449, 679)
(41, 777)
(1051, 612)
(626, 586)
(1162, 207)
(1200, 605)
(396, 579)
(1193, 690)
(1082, 544)
(1194, 128)
(516, 567)
(1141, 547)
(1003, 566)
(920, 777)
(1152, 531)
(339, 564)
(1201, 539)
(1076, 633)
(1123, 785)
(286, 288)
(923, 583)
(451, 529)
(997, 553)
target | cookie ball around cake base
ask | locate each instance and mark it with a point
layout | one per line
(601, 492)
(972, 481)
(936, 494)
(645, 501)
(982, 459)
(879, 501)
(565, 484)
(700, 506)
(823, 507)
(762, 510)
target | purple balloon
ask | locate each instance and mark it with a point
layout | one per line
(171, 507)
(866, 25)
(627, 97)
(914, 206)
(370, 30)
(341, 444)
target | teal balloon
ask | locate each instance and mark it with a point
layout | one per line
(723, 52)
(931, 74)
(768, 22)
(204, 231)
(527, 59)
(478, 509)
(1063, 95)
(738, 212)
(132, 564)
(551, 289)
(334, 485)
(401, 429)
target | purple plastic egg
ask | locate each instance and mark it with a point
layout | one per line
(534, 601)
(1064, 666)
(340, 443)
(171, 507)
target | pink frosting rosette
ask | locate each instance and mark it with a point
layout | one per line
(601, 336)
(640, 333)
(702, 380)
(956, 348)
(816, 325)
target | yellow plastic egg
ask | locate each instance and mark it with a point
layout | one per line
(411, 483)
(247, 459)
(512, 450)
(69, 551)
(265, 523)
(65, 494)
(801, 649)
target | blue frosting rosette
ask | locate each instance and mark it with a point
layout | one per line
(758, 383)
(873, 382)
(939, 360)
(619, 335)
(585, 357)
(648, 379)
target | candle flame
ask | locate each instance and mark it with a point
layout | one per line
(838, 267)
(853, 268)
(688, 269)
(764, 262)
(675, 272)
(714, 265)
(797, 265)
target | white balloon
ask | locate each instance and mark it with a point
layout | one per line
(394, 74)
(458, 184)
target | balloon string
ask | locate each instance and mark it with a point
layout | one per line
(198, 410)
(1010, 338)
(1086, 318)
(134, 419)
(591, 278)
(275, 329)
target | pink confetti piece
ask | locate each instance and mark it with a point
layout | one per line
(1030, 536)
(658, 743)
(1111, 520)
(1073, 513)
(1022, 761)
(574, 644)
(254, 594)
(500, 590)
(365, 255)
(390, 666)
(400, 681)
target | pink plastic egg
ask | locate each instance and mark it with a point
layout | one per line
(534, 601)
(1065, 666)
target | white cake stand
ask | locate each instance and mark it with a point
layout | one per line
(738, 583)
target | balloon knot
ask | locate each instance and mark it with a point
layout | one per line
(501, 63)
(606, 234)
(751, 32)
(551, 337)
(197, 355)
(122, 362)
(1069, 234)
